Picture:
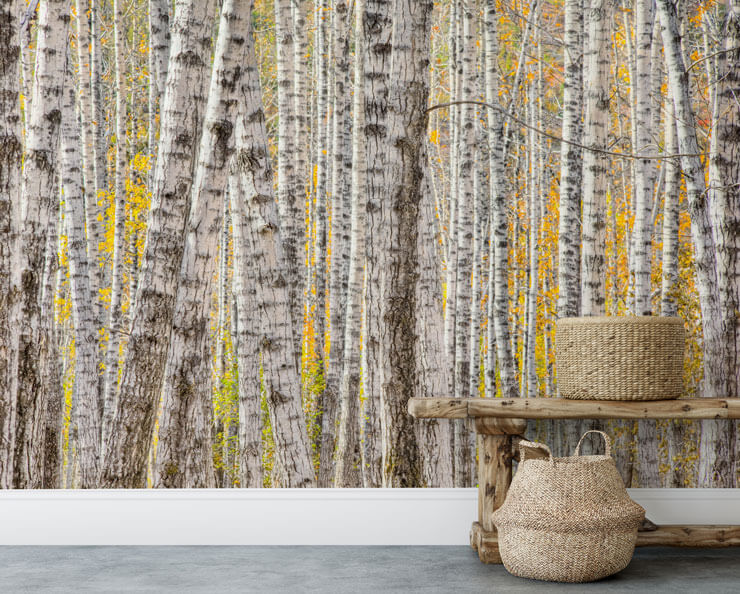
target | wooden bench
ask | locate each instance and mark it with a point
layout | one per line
(501, 422)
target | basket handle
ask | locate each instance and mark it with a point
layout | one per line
(535, 446)
(607, 441)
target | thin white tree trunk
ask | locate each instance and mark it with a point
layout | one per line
(377, 24)
(115, 319)
(465, 238)
(37, 202)
(258, 246)
(571, 161)
(184, 451)
(595, 164)
(290, 188)
(644, 169)
(714, 449)
(347, 470)
(499, 253)
(141, 380)
(435, 435)
(11, 150)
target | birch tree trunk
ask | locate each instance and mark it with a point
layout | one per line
(258, 247)
(377, 30)
(289, 193)
(340, 245)
(715, 444)
(595, 165)
(642, 233)
(159, 31)
(571, 160)
(184, 452)
(499, 254)
(37, 201)
(465, 237)
(11, 150)
(408, 94)
(724, 201)
(87, 418)
(435, 435)
(116, 321)
(92, 210)
(143, 369)
(347, 470)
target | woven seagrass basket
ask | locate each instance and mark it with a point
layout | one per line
(567, 519)
(620, 358)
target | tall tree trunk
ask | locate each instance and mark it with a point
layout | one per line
(87, 418)
(290, 192)
(37, 202)
(499, 239)
(377, 30)
(724, 200)
(408, 93)
(715, 444)
(11, 150)
(435, 435)
(340, 246)
(593, 255)
(116, 321)
(571, 160)
(347, 471)
(465, 236)
(143, 369)
(184, 452)
(258, 247)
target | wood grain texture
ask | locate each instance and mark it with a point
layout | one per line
(558, 408)
(485, 543)
(494, 475)
(691, 536)
(500, 426)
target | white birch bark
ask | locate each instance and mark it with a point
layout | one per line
(184, 452)
(87, 418)
(644, 169)
(115, 318)
(93, 211)
(595, 165)
(159, 31)
(465, 238)
(347, 470)
(377, 30)
(724, 200)
(341, 164)
(37, 202)
(714, 447)
(143, 369)
(258, 247)
(290, 194)
(11, 150)
(499, 252)
(100, 144)
(571, 161)
(408, 94)
(435, 435)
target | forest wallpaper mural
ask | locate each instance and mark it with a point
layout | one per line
(236, 236)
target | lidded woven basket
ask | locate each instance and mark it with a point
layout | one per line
(567, 519)
(620, 358)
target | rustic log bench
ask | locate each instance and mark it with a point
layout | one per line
(500, 423)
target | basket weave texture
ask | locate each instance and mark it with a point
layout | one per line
(620, 358)
(567, 519)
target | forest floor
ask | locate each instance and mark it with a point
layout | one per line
(356, 570)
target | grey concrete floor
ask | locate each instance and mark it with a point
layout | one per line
(355, 570)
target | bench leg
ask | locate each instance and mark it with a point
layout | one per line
(495, 456)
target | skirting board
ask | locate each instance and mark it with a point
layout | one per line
(290, 516)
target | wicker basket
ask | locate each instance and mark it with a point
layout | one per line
(620, 358)
(567, 519)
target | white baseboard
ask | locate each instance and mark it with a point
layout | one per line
(290, 516)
